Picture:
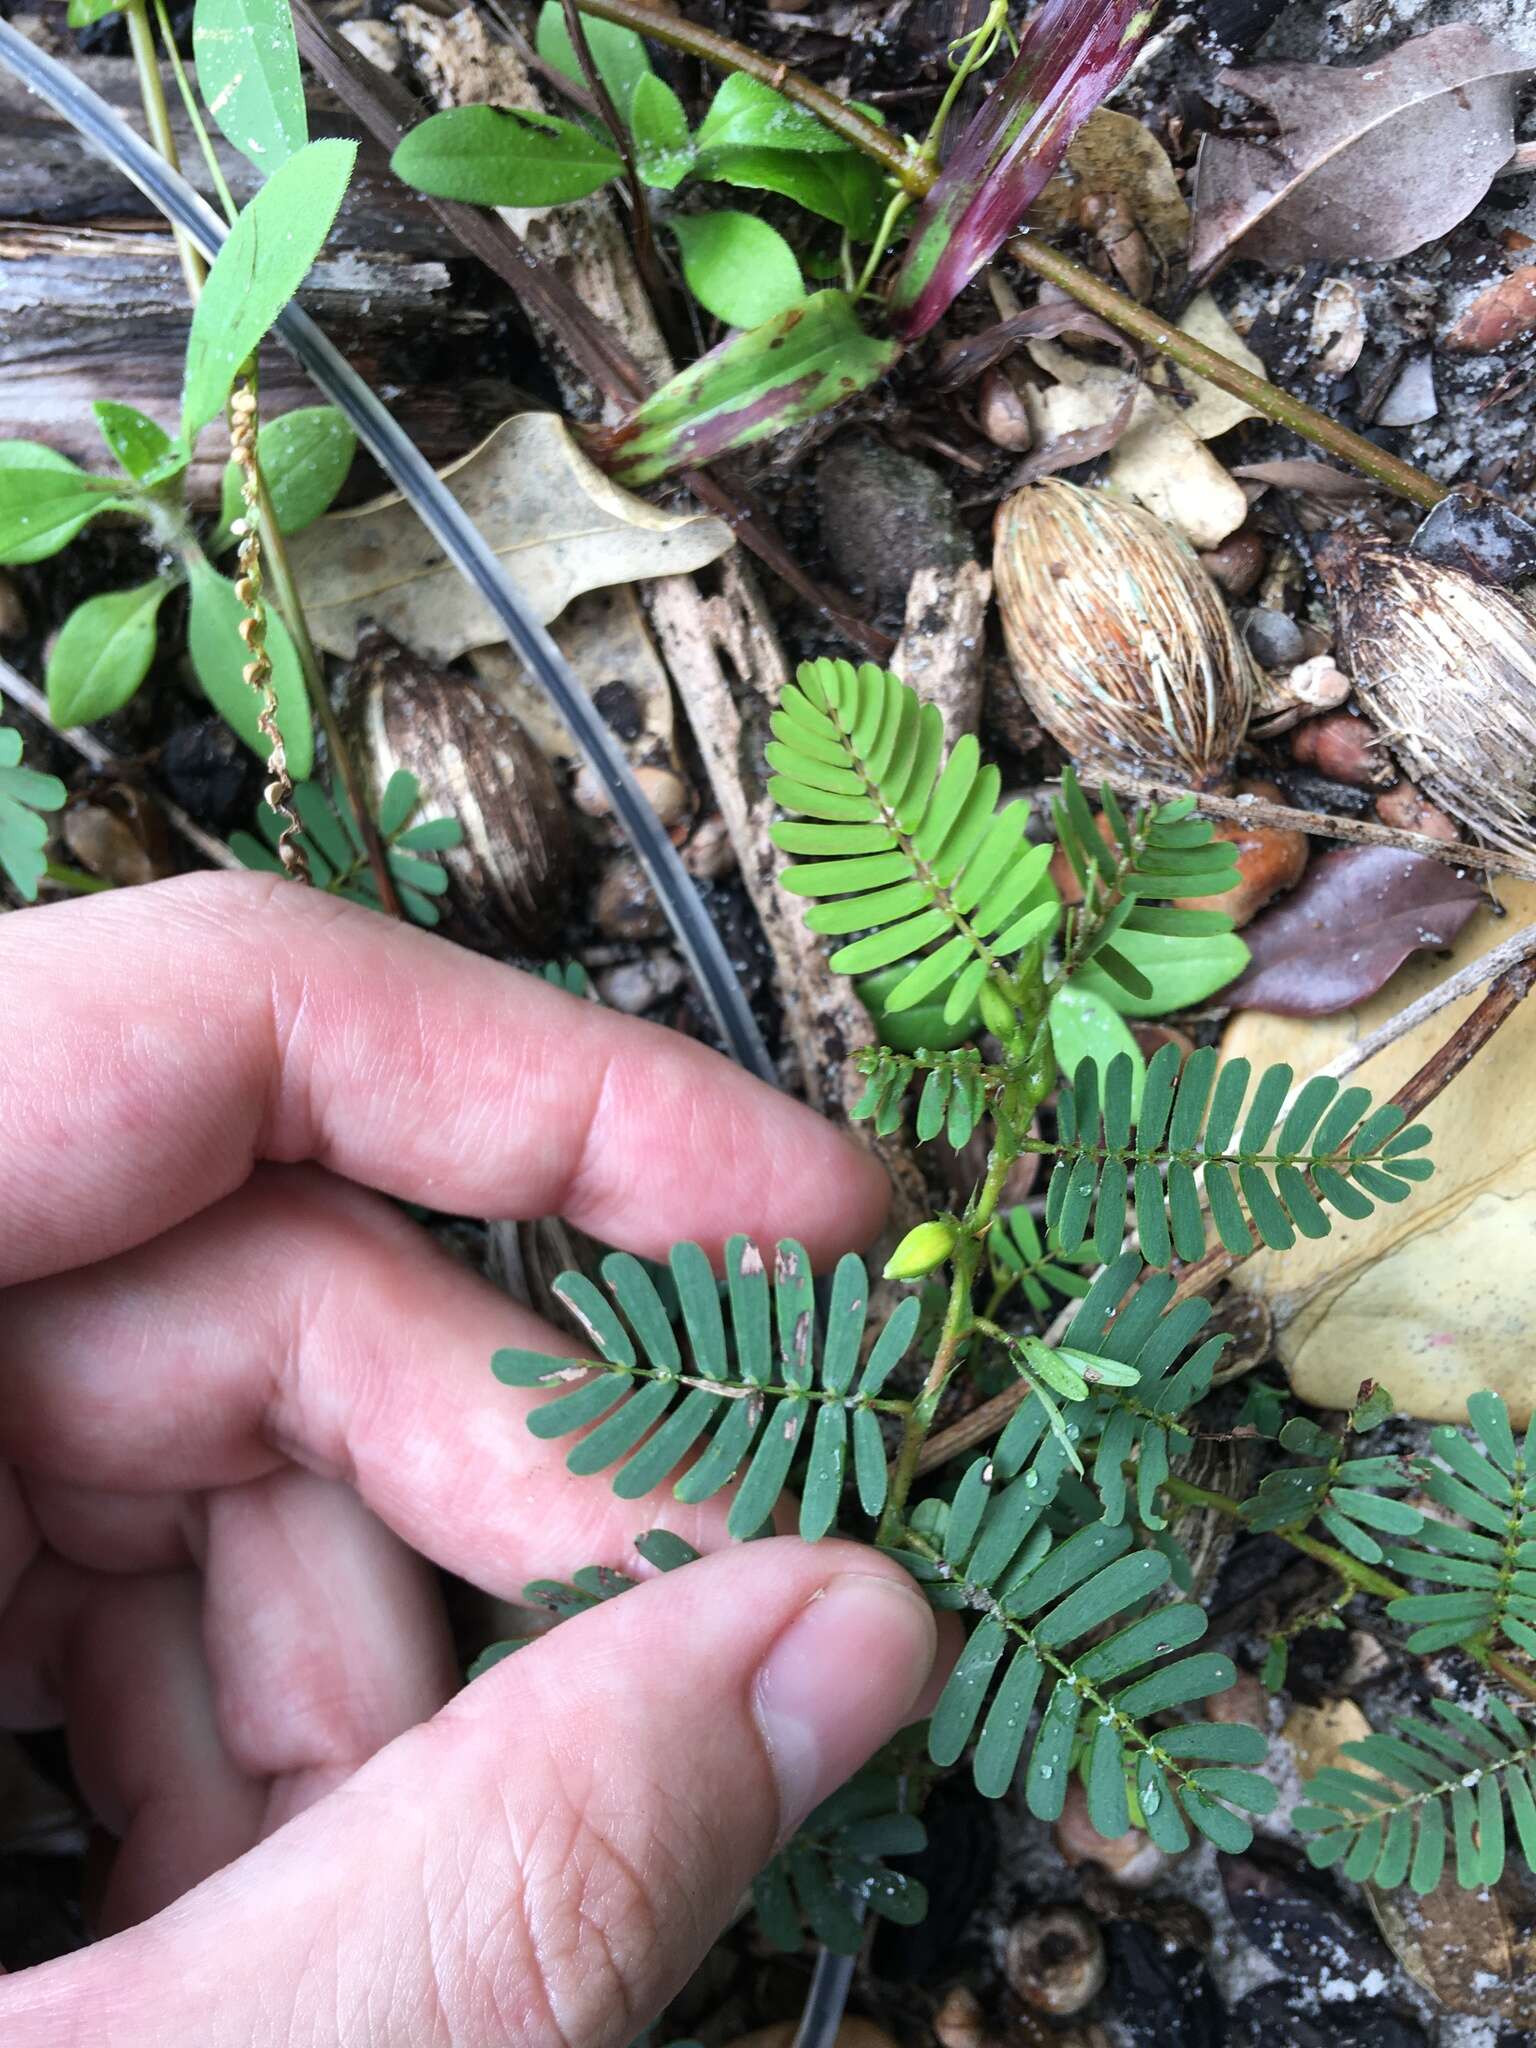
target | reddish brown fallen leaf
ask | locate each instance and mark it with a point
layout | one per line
(1502, 313)
(1353, 922)
(1301, 473)
(1371, 160)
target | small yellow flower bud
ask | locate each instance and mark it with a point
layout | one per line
(923, 1248)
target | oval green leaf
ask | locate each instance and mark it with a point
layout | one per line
(265, 260)
(664, 151)
(103, 653)
(219, 657)
(1182, 971)
(1084, 1026)
(737, 267)
(138, 443)
(248, 74)
(504, 156)
(45, 500)
(305, 456)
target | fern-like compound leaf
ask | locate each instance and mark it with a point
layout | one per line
(902, 844)
(1069, 1627)
(1137, 878)
(338, 857)
(1034, 1263)
(753, 1394)
(1484, 1558)
(1268, 1170)
(957, 1088)
(834, 1866)
(1458, 1786)
(592, 1586)
(1144, 1342)
(1348, 1496)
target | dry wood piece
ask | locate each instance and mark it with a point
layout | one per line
(943, 642)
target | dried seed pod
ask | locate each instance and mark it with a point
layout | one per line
(1118, 639)
(508, 881)
(1446, 665)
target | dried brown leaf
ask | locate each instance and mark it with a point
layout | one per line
(1113, 153)
(1371, 160)
(558, 524)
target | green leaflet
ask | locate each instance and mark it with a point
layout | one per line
(737, 267)
(262, 264)
(835, 1863)
(338, 859)
(1039, 1599)
(248, 75)
(664, 151)
(219, 657)
(810, 357)
(305, 456)
(1431, 1792)
(746, 114)
(103, 652)
(910, 848)
(1266, 1175)
(24, 794)
(1179, 970)
(758, 1397)
(1479, 1555)
(139, 445)
(504, 156)
(45, 499)
(1087, 1026)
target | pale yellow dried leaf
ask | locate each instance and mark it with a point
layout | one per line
(1435, 1297)
(559, 525)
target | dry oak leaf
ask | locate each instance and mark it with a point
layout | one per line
(558, 524)
(1432, 1296)
(1371, 160)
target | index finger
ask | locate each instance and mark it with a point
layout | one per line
(162, 1041)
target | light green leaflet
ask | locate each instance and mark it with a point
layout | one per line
(248, 72)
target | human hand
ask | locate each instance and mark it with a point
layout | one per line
(241, 1393)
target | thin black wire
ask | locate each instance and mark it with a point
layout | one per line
(442, 515)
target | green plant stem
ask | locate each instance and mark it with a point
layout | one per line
(1363, 1577)
(980, 42)
(76, 880)
(157, 116)
(194, 116)
(914, 172)
(958, 1324)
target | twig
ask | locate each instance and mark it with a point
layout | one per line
(915, 174)
(1253, 810)
(105, 762)
(1513, 968)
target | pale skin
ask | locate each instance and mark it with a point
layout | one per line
(243, 1401)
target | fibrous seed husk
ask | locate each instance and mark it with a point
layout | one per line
(1117, 637)
(507, 882)
(1445, 664)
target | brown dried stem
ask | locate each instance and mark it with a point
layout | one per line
(1509, 989)
(1253, 810)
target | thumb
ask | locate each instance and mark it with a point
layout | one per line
(547, 1859)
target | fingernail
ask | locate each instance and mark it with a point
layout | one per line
(839, 1681)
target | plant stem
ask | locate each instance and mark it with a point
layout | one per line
(1189, 354)
(958, 1324)
(157, 116)
(915, 173)
(76, 880)
(1359, 1575)
(194, 117)
(286, 593)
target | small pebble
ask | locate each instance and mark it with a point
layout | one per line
(1237, 564)
(1274, 639)
(1407, 809)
